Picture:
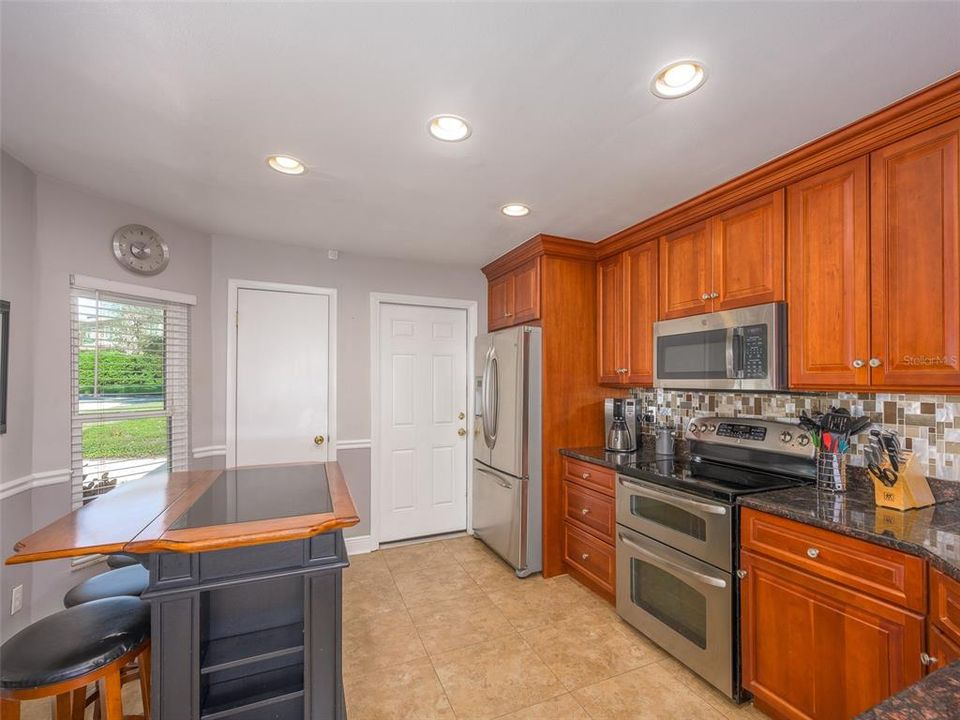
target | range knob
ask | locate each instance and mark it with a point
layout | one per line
(693, 427)
(786, 436)
(804, 440)
(703, 427)
(712, 427)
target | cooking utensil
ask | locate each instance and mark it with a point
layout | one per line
(884, 474)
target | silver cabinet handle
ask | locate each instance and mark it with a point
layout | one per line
(812, 552)
(714, 296)
(875, 362)
(928, 659)
(705, 296)
(585, 556)
(741, 574)
(858, 363)
(670, 566)
(673, 499)
(584, 511)
(585, 476)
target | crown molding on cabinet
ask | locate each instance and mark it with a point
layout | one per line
(922, 110)
(540, 245)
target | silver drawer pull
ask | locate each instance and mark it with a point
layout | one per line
(671, 566)
(812, 552)
(585, 476)
(585, 556)
(673, 499)
(584, 511)
(928, 660)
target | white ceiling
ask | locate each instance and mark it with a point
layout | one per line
(173, 106)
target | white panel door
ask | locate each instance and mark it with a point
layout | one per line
(423, 406)
(282, 377)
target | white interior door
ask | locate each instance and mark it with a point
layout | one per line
(282, 377)
(423, 406)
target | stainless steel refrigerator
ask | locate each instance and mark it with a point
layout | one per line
(507, 480)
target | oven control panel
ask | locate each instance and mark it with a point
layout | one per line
(782, 437)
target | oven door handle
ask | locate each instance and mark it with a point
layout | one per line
(682, 502)
(670, 566)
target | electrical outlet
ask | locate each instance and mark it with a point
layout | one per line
(16, 599)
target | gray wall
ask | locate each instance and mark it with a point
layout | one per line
(354, 277)
(17, 268)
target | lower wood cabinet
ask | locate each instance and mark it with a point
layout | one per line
(941, 650)
(589, 524)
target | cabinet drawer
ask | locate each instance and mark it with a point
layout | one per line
(942, 650)
(589, 510)
(594, 477)
(945, 604)
(873, 569)
(590, 556)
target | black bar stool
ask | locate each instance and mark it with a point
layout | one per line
(119, 561)
(63, 653)
(127, 581)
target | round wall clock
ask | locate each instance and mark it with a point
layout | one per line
(140, 249)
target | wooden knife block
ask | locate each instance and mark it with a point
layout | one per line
(911, 490)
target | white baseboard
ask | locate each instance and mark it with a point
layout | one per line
(35, 480)
(360, 545)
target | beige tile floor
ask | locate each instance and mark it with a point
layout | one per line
(444, 630)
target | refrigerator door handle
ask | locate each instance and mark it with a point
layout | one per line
(491, 399)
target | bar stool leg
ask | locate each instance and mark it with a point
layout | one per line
(64, 711)
(10, 709)
(110, 695)
(79, 703)
(143, 663)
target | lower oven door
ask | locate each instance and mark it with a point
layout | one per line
(699, 527)
(682, 604)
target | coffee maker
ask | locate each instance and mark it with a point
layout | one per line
(620, 424)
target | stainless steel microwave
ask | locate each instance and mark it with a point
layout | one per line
(742, 349)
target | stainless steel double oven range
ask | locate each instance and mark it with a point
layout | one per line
(678, 537)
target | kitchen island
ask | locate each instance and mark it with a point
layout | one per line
(245, 584)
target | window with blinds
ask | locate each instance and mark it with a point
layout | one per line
(130, 360)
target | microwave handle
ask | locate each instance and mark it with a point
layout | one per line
(734, 352)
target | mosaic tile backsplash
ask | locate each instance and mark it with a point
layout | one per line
(929, 424)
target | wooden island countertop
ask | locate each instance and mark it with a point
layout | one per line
(199, 511)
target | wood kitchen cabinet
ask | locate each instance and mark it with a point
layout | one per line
(915, 260)
(734, 259)
(514, 297)
(830, 625)
(828, 285)
(590, 521)
(626, 311)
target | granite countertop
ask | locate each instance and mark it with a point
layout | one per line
(936, 697)
(613, 460)
(932, 532)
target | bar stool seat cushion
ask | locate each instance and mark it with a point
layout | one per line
(120, 561)
(73, 642)
(130, 580)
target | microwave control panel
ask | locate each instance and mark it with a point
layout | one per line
(755, 347)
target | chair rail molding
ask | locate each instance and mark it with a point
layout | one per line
(34, 480)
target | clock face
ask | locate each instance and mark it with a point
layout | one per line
(140, 249)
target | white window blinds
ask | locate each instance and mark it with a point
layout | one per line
(130, 360)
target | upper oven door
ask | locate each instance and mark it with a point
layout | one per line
(699, 527)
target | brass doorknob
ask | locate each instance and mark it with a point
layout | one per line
(318, 439)
(461, 432)
(461, 416)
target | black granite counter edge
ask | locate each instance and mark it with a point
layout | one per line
(599, 456)
(757, 502)
(936, 697)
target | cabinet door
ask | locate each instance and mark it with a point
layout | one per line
(500, 302)
(812, 649)
(747, 243)
(610, 327)
(942, 650)
(828, 287)
(915, 260)
(685, 267)
(640, 307)
(526, 292)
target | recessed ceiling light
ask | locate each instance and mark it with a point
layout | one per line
(515, 210)
(678, 79)
(286, 164)
(449, 128)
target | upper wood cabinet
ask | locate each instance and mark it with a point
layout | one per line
(626, 311)
(828, 285)
(748, 254)
(685, 272)
(514, 297)
(915, 260)
(732, 260)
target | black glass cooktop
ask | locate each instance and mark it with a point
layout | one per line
(260, 493)
(720, 481)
